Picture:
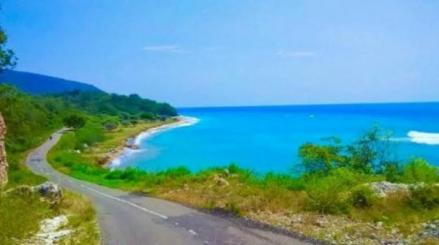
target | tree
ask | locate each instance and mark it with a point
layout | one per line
(320, 158)
(74, 121)
(7, 57)
(371, 152)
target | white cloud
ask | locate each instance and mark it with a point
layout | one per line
(295, 54)
(163, 49)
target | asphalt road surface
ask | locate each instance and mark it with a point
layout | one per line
(129, 219)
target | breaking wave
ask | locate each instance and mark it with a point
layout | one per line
(423, 137)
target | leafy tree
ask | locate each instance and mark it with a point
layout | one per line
(147, 116)
(320, 158)
(126, 107)
(74, 121)
(371, 152)
(7, 57)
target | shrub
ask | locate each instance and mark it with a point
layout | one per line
(362, 197)
(74, 121)
(329, 193)
(371, 152)
(418, 170)
(129, 174)
(90, 134)
(425, 197)
(147, 116)
(319, 158)
(110, 125)
(392, 172)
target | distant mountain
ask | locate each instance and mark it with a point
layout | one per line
(41, 84)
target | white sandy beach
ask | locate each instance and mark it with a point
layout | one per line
(182, 121)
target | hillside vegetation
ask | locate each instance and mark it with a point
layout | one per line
(41, 84)
(130, 107)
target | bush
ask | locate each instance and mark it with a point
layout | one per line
(425, 197)
(110, 125)
(362, 197)
(147, 116)
(327, 194)
(90, 134)
(74, 121)
(418, 170)
(319, 158)
(330, 193)
(392, 172)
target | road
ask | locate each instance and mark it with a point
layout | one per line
(130, 219)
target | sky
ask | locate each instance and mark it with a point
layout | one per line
(228, 52)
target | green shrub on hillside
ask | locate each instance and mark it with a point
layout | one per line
(330, 193)
(418, 170)
(91, 133)
(362, 196)
(425, 197)
(74, 121)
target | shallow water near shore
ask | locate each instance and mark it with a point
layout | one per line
(267, 138)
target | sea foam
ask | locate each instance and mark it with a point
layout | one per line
(183, 121)
(423, 137)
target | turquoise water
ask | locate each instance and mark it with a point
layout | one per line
(267, 138)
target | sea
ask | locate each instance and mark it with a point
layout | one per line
(267, 138)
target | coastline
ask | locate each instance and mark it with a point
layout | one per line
(132, 144)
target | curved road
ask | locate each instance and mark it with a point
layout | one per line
(125, 218)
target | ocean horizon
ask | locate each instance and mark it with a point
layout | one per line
(267, 138)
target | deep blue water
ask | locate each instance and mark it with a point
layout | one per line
(267, 138)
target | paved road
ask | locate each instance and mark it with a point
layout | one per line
(130, 219)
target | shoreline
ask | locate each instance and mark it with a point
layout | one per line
(132, 144)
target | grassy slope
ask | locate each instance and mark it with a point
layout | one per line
(275, 199)
(20, 212)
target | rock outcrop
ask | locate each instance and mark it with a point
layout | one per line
(50, 191)
(51, 231)
(384, 188)
(3, 162)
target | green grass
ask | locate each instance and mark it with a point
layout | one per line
(82, 220)
(20, 213)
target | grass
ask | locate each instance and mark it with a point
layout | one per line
(21, 211)
(82, 219)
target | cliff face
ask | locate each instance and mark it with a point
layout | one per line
(3, 162)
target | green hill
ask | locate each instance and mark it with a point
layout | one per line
(41, 84)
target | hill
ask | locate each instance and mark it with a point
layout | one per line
(41, 84)
(127, 107)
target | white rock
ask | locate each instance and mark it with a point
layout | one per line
(383, 188)
(49, 231)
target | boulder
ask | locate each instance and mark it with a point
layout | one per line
(49, 190)
(3, 162)
(50, 231)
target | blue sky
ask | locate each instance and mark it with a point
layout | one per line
(209, 52)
